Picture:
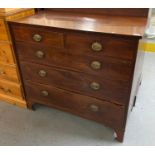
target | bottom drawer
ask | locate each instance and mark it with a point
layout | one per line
(10, 89)
(87, 107)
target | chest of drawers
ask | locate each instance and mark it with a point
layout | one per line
(10, 85)
(80, 65)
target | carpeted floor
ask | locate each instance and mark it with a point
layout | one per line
(48, 126)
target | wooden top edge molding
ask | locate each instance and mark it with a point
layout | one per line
(115, 25)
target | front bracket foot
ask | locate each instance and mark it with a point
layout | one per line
(119, 135)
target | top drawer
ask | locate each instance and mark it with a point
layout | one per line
(38, 35)
(3, 31)
(102, 45)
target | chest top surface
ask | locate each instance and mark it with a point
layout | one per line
(121, 25)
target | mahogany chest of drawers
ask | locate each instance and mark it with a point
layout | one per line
(11, 89)
(83, 64)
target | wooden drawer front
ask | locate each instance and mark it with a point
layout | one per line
(114, 91)
(3, 31)
(111, 68)
(112, 46)
(10, 89)
(6, 54)
(28, 34)
(9, 72)
(85, 106)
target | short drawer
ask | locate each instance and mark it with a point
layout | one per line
(38, 35)
(109, 68)
(88, 107)
(3, 31)
(115, 91)
(9, 72)
(10, 89)
(6, 53)
(102, 45)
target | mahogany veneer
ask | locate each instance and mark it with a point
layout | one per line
(85, 64)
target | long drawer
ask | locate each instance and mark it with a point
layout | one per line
(109, 68)
(3, 31)
(102, 45)
(88, 107)
(115, 91)
(10, 89)
(9, 72)
(6, 53)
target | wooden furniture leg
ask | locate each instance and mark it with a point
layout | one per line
(30, 106)
(119, 135)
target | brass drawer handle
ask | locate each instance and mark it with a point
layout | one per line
(40, 54)
(94, 108)
(42, 73)
(37, 37)
(95, 86)
(95, 65)
(96, 46)
(44, 93)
